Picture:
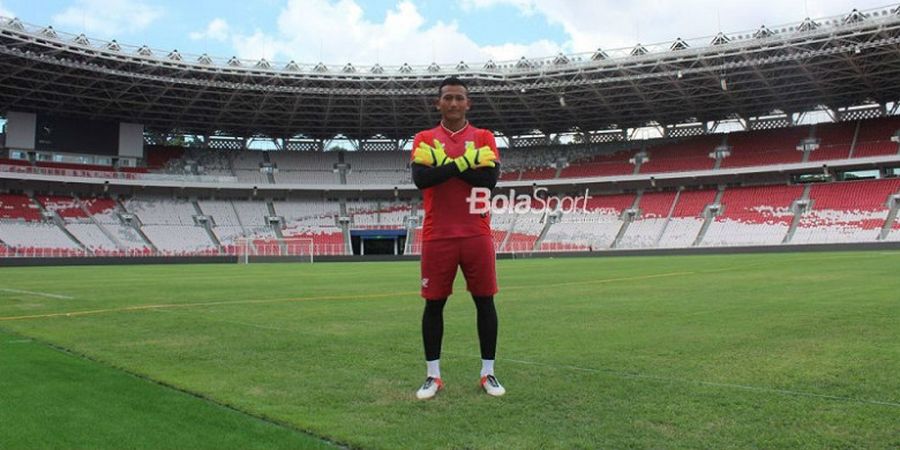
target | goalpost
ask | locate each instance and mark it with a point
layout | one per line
(301, 249)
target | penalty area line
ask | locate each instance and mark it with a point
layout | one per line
(735, 386)
(324, 297)
(37, 293)
(202, 304)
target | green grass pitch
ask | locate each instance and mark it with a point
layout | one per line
(794, 350)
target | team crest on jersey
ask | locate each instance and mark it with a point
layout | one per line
(424, 282)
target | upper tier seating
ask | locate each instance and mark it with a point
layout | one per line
(834, 141)
(600, 165)
(874, 137)
(375, 160)
(684, 156)
(765, 147)
(158, 156)
(307, 177)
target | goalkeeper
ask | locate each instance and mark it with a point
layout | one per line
(447, 162)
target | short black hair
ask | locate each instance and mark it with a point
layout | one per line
(452, 81)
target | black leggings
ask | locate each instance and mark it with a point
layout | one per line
(433, 327)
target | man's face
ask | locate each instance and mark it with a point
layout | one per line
(453, 103)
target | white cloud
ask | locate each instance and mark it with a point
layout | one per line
(217, 30)
(259, 45)
(5, 12)
(613, 24)
(108, 18)
(336, 32)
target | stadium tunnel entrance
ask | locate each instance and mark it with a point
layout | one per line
(378, 242)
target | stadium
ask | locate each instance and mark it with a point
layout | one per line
(752, 179)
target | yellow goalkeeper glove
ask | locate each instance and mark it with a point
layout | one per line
(427, 155)
(475, 158)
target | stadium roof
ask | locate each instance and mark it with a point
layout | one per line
(836, 62)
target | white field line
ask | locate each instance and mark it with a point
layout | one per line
(743, 387)
(40, 294)
(322, 297)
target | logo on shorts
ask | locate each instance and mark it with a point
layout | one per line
(424, 282)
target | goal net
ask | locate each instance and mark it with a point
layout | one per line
(297, 248)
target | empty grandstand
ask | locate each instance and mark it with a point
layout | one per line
(742, 139)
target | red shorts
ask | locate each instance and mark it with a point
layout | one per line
(475, 255)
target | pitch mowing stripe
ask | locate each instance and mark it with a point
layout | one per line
(40, 294)
(199, 396)
(735, 386)
(323, 297)
(201, 304)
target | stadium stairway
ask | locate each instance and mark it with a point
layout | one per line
(537, 242)
(345, 225)
(207, 225)
(99, 225)
(628, 216)
(59, 222)
(709, 216)
(237, 216)
(800, 206)
(277, 226)
(509, 232)
(662, 230)
(136, 224)
(894, 203)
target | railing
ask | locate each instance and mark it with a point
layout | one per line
(527, 247)
(268, 249)
(112, 174)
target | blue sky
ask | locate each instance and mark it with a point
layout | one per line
(392, 32)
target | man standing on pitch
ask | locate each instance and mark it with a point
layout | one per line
(447, 162)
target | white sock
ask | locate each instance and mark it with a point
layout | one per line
(487, 367)
(434, 368)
